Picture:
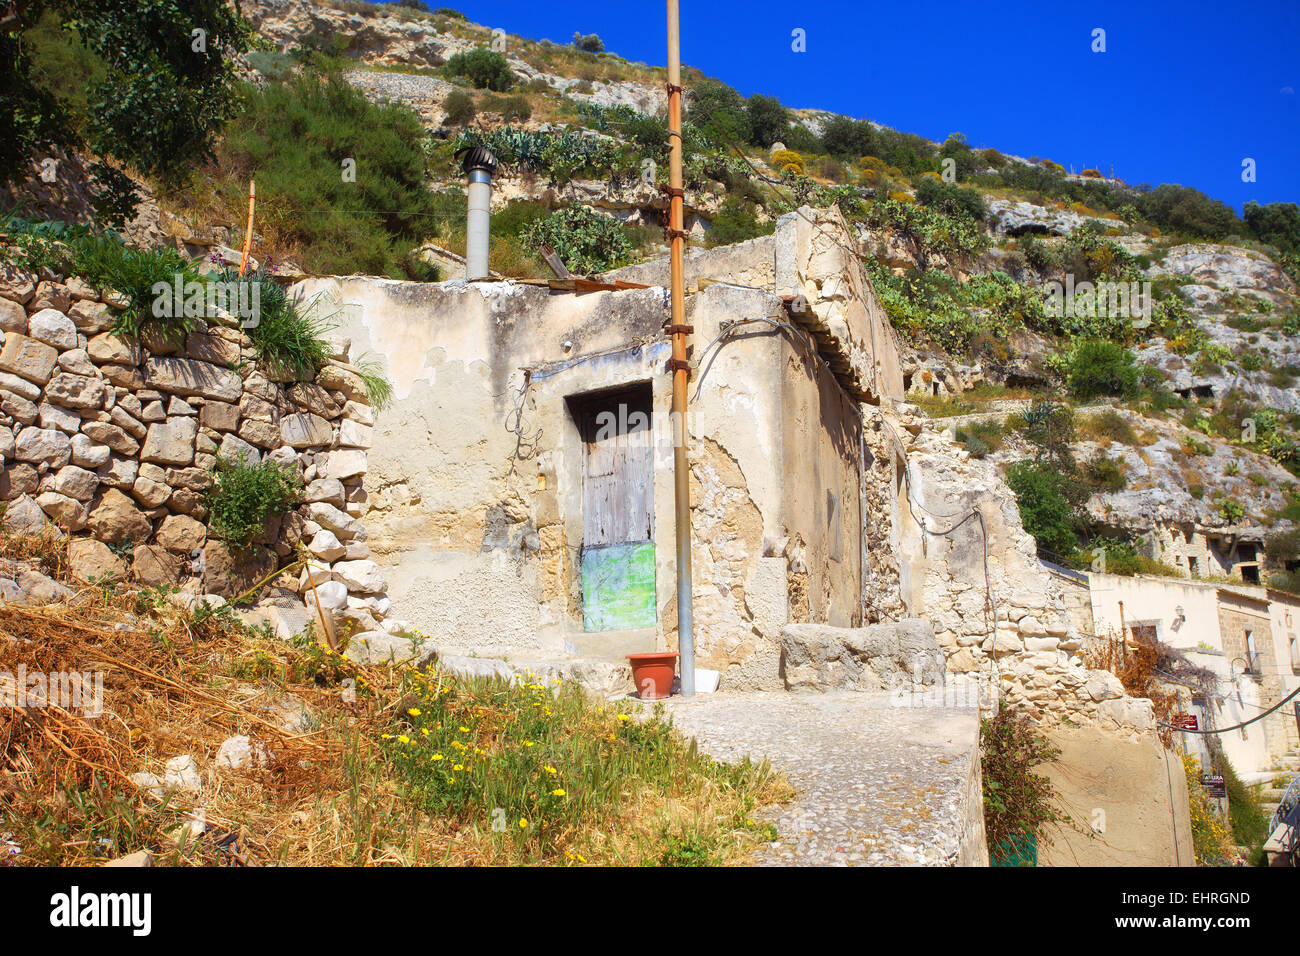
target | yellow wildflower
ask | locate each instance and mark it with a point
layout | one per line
(557, 792)
(414, 711)
(523, 824)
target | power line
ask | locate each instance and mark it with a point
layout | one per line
(1244, 723)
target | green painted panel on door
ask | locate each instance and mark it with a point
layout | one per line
(618, 587)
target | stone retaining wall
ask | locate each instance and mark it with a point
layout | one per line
(116, 442)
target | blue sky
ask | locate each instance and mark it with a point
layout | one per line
(1184, 92)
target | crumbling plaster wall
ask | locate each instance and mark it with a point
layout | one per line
(480, 527)
(823, 461)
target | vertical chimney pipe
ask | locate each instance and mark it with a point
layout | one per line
(479, 165)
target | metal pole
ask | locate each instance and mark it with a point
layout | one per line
(680, 366)
(248, 233)
(1123, 633)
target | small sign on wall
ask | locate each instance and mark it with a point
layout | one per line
(1214, 785)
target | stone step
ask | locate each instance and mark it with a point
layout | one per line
(603, 678)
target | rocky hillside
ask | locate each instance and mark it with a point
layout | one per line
(963, 245)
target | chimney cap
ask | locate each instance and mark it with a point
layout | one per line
(478, 157)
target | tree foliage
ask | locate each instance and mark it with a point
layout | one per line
(161, 90)
(486, 69)
(1278, 224)
(718, 111)
(351, 193)
(769, 121)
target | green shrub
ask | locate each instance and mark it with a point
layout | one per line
(736, 221)
(982, 438)
(1105, 474)
(1110, 424)
(1102, 368)
(1277, 223)
(950, 198)
(486, 69)
(244, 497)
(288, 339)
(1246, 815)
(1043, 494)
(107, 263)
(586, 241)
(459, 107)
(1018, 803)
(769, 121)
(588, 43)
(1186, 210)
(718, 111)
(964, 160)
(371, 223)
(513, 109)
(842, 136)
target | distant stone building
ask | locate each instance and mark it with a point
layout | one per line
(1206, 553)
(1227, 629)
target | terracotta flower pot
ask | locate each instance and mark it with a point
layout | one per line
(653, 674)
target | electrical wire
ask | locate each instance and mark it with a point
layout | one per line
(1244, 723)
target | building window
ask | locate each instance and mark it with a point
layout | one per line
(1252, 662)
(1295, 655)
(1193, 566)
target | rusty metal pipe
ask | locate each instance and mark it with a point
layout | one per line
(681, 467)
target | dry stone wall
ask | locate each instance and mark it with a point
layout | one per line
(116, 442)
(971, 569)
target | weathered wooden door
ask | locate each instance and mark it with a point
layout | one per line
(618, 566)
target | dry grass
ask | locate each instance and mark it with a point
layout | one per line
(335, 788)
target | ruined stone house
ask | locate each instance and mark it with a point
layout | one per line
(520, 487)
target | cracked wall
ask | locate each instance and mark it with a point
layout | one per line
(475, 482)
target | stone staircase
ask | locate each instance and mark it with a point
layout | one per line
(1287, 766)
(1288, 770)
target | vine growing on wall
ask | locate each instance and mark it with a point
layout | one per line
(1018, 803)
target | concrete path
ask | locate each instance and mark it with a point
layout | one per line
(878, 784)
